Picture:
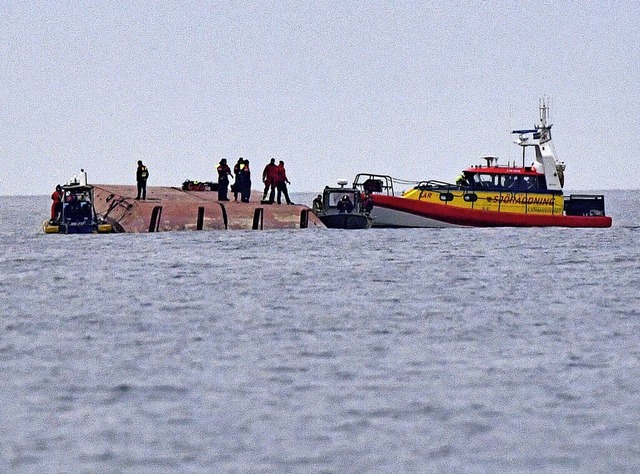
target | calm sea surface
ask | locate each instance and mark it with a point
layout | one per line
(420, 350)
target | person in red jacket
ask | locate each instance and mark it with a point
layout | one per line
(269, 177)
(281, 182)
(56, 205)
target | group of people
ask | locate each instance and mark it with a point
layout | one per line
(274, 178)
(242, 183)
(344, 205)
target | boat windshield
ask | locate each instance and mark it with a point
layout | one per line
(77, 206)
(336, 196)
(529, 182)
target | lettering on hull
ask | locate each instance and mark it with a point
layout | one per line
(518, 199)
(523, 203)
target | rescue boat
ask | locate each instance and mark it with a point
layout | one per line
(489, 194)
(77, 213)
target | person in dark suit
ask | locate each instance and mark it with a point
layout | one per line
(142, 173)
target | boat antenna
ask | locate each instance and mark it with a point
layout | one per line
(544, 112)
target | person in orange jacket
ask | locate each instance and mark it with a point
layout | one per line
(56, 205)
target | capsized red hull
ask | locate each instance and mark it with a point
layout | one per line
(171, 209)
(478, 218)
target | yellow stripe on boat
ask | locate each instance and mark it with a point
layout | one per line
(522, 203)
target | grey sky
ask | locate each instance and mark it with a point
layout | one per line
(417, 90)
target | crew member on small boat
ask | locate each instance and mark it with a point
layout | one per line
(367, 203)
(56, 205)
(345, 205)
(223, 179)
(461, 180)
(142, 173)
(317, 203)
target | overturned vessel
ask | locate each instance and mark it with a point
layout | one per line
(173, 209)
(490, 195)
(100, 208)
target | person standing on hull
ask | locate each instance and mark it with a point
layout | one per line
(223, 179)
(56, 205)
(237, 184)
(281, 182)
(245, 191)
(142, 173)
(268, 178)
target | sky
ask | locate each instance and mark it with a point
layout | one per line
(412, 89)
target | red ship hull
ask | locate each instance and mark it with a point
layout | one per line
(171, 209)
(456, 216)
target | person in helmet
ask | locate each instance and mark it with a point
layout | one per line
(345, 205)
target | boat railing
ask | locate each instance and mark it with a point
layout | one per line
(374, 183)
(435, 184)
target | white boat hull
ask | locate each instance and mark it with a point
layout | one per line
(385, 217)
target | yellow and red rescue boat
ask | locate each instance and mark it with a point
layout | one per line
(490, 195)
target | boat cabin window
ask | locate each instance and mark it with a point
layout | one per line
(335, 197)
(77, 208)
(508, 182)
(77, 196)
(483, 180)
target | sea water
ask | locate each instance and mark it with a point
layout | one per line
(417, 350)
